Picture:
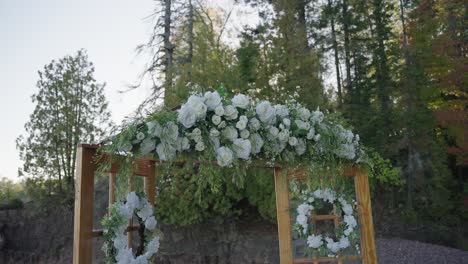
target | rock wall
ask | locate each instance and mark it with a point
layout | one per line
(49, 239)
(35, 239)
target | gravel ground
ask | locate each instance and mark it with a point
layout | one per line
(399, 251)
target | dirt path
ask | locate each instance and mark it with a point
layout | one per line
(399, 251)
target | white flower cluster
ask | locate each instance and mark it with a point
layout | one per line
(125, 210)
(305, 210)
(240, 128)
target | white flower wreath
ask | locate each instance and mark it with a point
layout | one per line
(347, 232)
(115, 224)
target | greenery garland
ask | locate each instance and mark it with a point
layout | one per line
(115, 235)
(228, 134)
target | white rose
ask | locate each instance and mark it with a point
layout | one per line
(314, 241)
(124, 255)
(146, 211)
(300, 147)
(150, 223)
(147, 145)
(317, 117)
(230, 112)
(212, 100)
(215, 143)
(200, 146)
(140, 136)
(216, 120)
(302, 125)
(196, 132)
(152, 247)
(283, 136)
(165, 151)
(304, 114)
(265, 112)
(132, 201)
(287, 122)
(185, 143)
(281, 110)
(120, 241)
(154, 128)
(214, 132)
(273, 132)
(219, 110)
(292, 141)
(317, 137)
(230, 133)
(344, 242)
(304, 209)
(311, 133)
(170, 133)
(256, 142)
(333, 246)
(126, 147)
(196, 102)
(347, 209)
(241, 101)
(241, 124)
(222, 124)
(254, 124)
(224, 156)
(242, 147)
(244, 133)
(187, 116)
(125, 211)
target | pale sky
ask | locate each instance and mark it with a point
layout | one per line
(34, 32)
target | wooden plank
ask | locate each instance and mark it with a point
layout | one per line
(284, 220)
(324, 259)
(130, 221)
(111, 190)
(149, 182)
(100, 232)
(84, 195)
(323, 217)
(361, 183)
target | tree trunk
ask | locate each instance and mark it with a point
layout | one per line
(336, 54)
(346, 24)
(168, 47)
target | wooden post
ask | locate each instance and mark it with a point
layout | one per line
(149, 182)
(361, 182)
(111, 190)
(284, 219)
(130, 221)
(84, 196)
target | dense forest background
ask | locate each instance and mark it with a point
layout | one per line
(395, 69)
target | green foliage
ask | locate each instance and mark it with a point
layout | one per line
(70, 108)
(382, 173)
(189, 194)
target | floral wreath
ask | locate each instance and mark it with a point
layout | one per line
(115, 225)
(346, 234)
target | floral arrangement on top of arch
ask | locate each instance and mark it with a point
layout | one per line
(231, 133)
(230, 130)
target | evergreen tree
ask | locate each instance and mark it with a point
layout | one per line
(70, 108)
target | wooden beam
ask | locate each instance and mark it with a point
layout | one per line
(361, 182)
(284, 219)
(111, 190)
(149, 182)
(130, 221)
(84, 196)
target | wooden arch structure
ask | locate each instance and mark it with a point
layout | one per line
(87, 164)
